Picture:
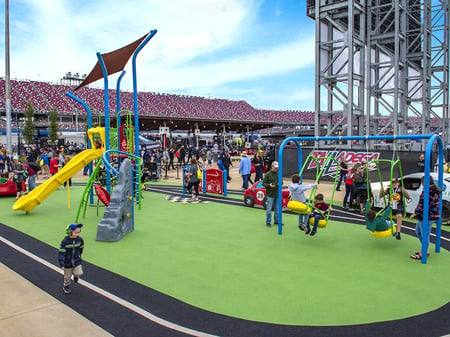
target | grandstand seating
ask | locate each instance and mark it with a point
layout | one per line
(45, 96)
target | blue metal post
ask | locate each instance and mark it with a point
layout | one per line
(203, 180)
(225, 182)
(136, 113)
(118, 116)
(426, 196)
(89, 145)
(135, 98)
(106, 98)
(84, 104)
(280, 179)
(183, 185)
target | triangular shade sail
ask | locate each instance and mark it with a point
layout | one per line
(115, 61)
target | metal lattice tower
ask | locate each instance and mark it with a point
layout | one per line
(382, 67)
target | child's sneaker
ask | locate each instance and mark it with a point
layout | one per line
(67, 290)
(313, 233)
(397, 236)
(302, 227)
(307, 231)
(75, 279)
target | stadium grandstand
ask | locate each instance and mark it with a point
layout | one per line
(179, 112)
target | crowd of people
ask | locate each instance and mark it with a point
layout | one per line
(33, 162)
(159, 161)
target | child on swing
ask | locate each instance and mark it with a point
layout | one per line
(376, 223)
(321, 208)
(297, 190)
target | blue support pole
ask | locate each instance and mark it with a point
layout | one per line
(89, 145)
(136, 112)
(280, 180)
(183, 185)
(118, 115)
(225, 182)
(106, 98)
(426, 196)
(84, 104)
(122, 74)
(203, 180)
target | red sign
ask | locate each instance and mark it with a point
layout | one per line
(214, 181)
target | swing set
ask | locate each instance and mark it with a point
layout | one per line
(431, 139)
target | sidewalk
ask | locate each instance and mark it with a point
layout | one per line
(26, 310)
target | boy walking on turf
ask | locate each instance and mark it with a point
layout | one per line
(69, 255)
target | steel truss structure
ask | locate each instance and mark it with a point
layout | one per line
(382, 67)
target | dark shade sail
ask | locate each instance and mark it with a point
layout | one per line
(115, 61)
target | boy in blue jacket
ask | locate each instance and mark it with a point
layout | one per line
(69, 255)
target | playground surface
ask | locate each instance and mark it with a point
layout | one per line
(222, 272)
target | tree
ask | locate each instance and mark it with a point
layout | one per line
(53, 127)
(28, 126)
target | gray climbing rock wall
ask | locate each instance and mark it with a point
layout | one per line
(118, 220)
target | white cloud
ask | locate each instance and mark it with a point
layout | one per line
(278, 59)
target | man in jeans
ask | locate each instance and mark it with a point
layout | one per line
(270, 182)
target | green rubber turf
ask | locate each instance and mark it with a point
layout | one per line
(223, 259)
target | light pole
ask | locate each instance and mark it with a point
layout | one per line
(18, 133)
(7, 80)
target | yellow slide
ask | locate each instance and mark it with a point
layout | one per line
(35, 197)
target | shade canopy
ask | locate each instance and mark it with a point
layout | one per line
(115, 61)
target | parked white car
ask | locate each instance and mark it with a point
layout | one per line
(412, 183)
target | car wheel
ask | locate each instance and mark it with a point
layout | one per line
(264, 203)
(249, 201)
(446, 213)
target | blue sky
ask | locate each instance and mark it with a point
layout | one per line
(253, 50)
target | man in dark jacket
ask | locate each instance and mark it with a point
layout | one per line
(270, 182)
(226, 161)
